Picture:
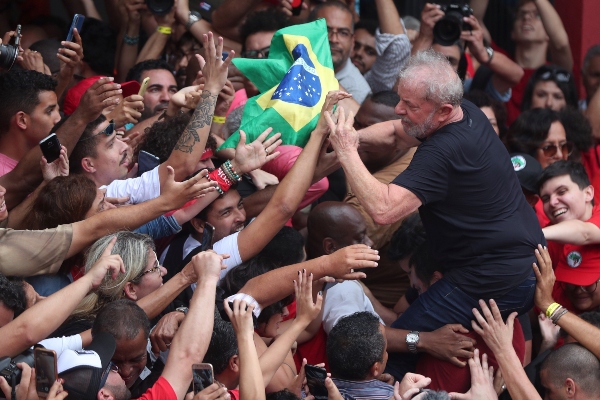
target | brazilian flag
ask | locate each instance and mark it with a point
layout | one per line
(293, 83)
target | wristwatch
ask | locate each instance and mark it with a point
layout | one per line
(184, 310)
(490, 53)
(412, 340)
(193, 17)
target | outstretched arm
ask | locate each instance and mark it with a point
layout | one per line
(574, 232)
(37, 322)
(559, 47)
(384, 203)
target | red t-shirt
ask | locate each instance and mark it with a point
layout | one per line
(513, 106)
(161, 390)
(235, 394)
(314, 350)
(449, 377)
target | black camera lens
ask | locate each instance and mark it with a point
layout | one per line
(160, 7)
(8, 56)
(447, 30)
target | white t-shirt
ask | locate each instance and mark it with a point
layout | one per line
(61, 344)
(140, 189)
(342, 300)
(227, 245)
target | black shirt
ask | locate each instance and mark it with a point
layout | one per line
(479, 225)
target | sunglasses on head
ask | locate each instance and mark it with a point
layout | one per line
(559, 76)
(262, 53)
(109, 130)
(550, 150)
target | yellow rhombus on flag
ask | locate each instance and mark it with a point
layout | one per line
(293, 82)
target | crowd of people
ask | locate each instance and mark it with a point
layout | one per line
(437, 237)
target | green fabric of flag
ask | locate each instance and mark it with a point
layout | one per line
(293, 82)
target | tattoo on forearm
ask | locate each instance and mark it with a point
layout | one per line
(202, 117)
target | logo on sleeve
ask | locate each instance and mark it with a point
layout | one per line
(574, 259)
(518, 163)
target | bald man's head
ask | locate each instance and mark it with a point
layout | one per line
(333, 225)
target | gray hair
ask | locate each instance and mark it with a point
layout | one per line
(133, 249)
(432, 70)
(591, 53)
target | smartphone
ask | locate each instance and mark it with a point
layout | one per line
(146, 162)
(315, 378)
(77, 23)
(18, 37)
(50, 147)
(144, 86)
(45, 370)
(296, 7)
(207, 236)
(203, 376)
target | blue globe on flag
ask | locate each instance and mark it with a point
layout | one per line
(301, 85)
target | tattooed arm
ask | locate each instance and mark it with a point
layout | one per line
(189, 148)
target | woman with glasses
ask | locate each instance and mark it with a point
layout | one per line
(540, 133)
(143, 276)
(550, 87)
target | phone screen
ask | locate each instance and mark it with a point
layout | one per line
(45, 370)
(315, 378)
(203, 376)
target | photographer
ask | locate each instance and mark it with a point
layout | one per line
(503, 72)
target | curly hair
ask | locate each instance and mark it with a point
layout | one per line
(135, 73)
(561, 77)
(12, 295)
(161, 137)
(268, 20)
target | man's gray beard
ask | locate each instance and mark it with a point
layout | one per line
(421, 131)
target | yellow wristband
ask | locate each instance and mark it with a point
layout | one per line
(164, 29)
(219, 120)
(551, 309)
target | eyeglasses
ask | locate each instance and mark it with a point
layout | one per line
(262, 53)
(567, 287)
(343, 33)
(109, 130)
(557, 75)
(534, 14)
(156, 268)
(550, 150)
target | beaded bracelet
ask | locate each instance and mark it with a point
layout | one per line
(131, 40)
(219, 176)
(211, 179)
(231, 173)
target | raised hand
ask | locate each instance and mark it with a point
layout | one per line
(25, 390)
(56, 391)
(490, 326)
(482, 380)
(103, 93)
(129, 111)
(212, 392)
(545, 278)
(107, 265)
(214, 69)
(32, 60)
(344, 138)
(343, 262)
(176, 194)
(70, 55)
(163, 333)
(58, 167)
(306, 309)
(208, 264)
(332, 98)
(241, 317)
(249, 157)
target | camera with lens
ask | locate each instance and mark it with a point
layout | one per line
(9, 53)
(160, 7)
(9, 369)
(447, 30)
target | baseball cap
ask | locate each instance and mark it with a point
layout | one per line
(73, 96)
(577, 271)
(528, 170)
(85, 371)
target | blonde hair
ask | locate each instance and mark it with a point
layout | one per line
(133, 249)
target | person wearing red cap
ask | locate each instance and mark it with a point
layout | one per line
(574, 234)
